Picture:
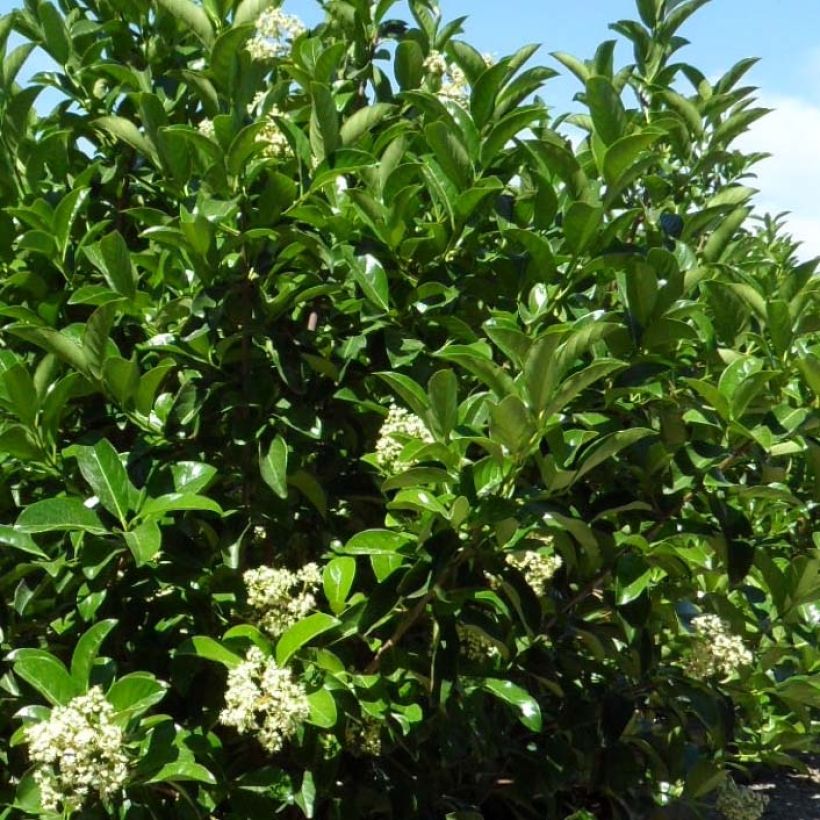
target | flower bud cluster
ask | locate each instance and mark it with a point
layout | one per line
(264, 700)
(365, 738)
(436, 64)
(206, 128)
(255, 105)
(715, 651)
(280, 598)
(398, 428)
(275, 33)
(537, 567)
(740, 802)
(78, 752)
(475, 645)
(272, 137)
(449, 78)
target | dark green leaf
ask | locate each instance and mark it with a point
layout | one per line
(526, 706)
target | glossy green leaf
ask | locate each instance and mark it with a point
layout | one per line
(606, 108)
(192, 17)
(512, 425)
(176, 502)
(632, 577)
(52, 341)
(376, 542)
(19, 386)
(451, 154)
(323, 711)
(622, 154)
(408, 391)
(58, 43)
(181, 771)
(211, 650)
(59, 514)
(302, 633)
(118, 268)
(371, 278)
(581, 224)
(442, 390)
(102, 469)
(135, 693)
(274, 467)
(408, 64)
(16, 539)
(525, 706)
(324, 122)
(45, 674)
(87, 649)
(144, 541)
(337, 580)
(363, 121)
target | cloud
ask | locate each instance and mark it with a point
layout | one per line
(790, 179)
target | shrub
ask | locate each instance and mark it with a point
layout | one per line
(371, 450)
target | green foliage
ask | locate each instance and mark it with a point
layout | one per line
(489, 415)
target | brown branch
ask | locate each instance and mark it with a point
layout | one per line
(412, 615)
(409, 619)
(588, 589)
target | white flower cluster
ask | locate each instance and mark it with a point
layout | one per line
(280, 598)
(716, 651)
(275, 33)
(475, 645)
(398, 428)
(436, 64)
(78, 751)
(365, 738)
(272, 137)
(206, 128)
(740, 802)
(255, 105)
(449, 78)
(538, 568)
(264, 700)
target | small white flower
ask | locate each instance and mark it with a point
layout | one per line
(454, 86)
(715, 650)
(255, 104)
(275, 33)
(449, 79)
(264, 699)
(206, 128)
(272, 137)
(475, 645)
(740, 802)
(537, 567)
(436, 64)
(398, 428)
(78, 752)
(365, 738)
(280, 598)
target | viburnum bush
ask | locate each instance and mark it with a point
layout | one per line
(376, 443)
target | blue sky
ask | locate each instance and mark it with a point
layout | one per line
(784, 33)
